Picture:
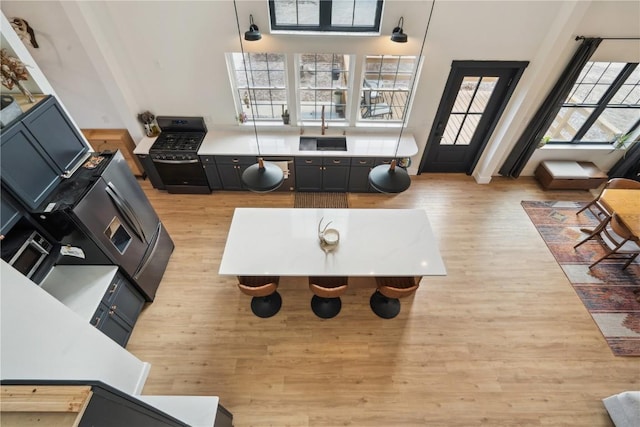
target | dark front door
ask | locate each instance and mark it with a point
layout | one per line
(474, 97)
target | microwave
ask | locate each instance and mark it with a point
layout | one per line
(31, 254)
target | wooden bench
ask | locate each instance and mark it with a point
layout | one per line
(569, 175)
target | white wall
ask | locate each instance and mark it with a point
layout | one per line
(112, 60)
(43, 339)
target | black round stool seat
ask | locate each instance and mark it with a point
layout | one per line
(387, 308)
(326, 308)
(266, 306)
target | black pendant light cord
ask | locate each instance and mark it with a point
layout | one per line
(246, 75)
(404, 118)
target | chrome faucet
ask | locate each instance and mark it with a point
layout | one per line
(323, 126)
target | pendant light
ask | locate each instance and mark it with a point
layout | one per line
(263, 176)
(254, 33)
(391, 178)
(398, 35)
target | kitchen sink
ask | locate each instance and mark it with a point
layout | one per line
(323, 143)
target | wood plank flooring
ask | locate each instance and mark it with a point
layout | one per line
(502, 340)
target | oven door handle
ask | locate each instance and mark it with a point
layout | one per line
(127, 215)
(176, 162)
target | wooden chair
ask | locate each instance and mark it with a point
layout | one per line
(385, 301)
(617, 240)
(597, 208)
(266, 301)
(373, 109)
(326, 302)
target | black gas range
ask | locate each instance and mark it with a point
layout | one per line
(175, 154)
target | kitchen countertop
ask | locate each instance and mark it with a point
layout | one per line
(79, 287)
(282, 143)
(284, 242)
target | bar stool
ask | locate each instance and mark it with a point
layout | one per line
(326, 302)
(385, 301)
(266, 301)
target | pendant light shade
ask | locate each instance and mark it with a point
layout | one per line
(263, 177)
(392, 178)
(254, 33)
(389, 178)
(398, 35)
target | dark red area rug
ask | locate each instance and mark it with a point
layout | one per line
(611, 295)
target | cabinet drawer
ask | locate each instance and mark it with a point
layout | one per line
(208, 159)
(383, 160)
(123, 299)
(336, 161)
(234, 160)
(362, 161)
(308, 161)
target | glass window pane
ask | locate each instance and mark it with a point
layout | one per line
(342, 12)
(285, 12)
(568, 121)
(465, 94)
(309, 12)
(468, 129)
(265, 93)
(451, 130)
(483, 94)
(612, 122)
(629, 93)
(365, 13)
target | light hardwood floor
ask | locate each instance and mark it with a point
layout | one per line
(502, 340)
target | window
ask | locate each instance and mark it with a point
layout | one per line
(386, 85)
(603, 105)
(323, 83)
(326, 15)
(261, 91)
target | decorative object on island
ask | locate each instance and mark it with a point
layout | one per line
(329, 237)
(398, 35)
(254, 33)
(148, 121)
(261, 177)
(390, 178)
(13, 72)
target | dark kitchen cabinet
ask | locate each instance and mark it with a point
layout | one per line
(322, 174)
(100, 294)
(119, 310)
(151, 171)
(25, 167)
(359, 174)
(230, 169)
(335, 174)
(107, 409)
(211, 170)
(10, 213)
(96, 404)
(38, 150)
(308, 173)
(53, 130)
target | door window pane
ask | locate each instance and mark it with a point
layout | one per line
(471, 101)
(483, 94)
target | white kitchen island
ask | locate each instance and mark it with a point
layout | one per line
(373, 242)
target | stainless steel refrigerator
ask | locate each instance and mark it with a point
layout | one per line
(111, 208)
